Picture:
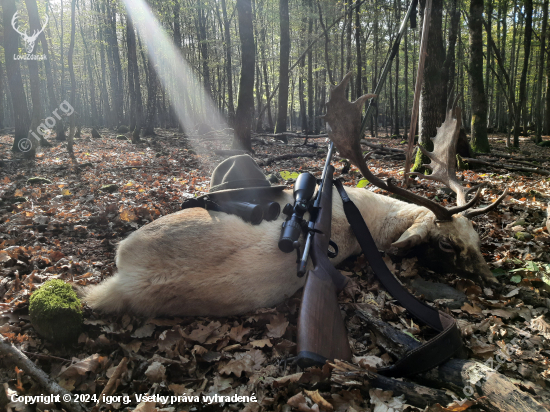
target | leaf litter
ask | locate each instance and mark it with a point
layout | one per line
(66, 225)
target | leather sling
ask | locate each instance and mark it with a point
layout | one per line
(433, 352)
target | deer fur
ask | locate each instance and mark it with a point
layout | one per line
(197, 262)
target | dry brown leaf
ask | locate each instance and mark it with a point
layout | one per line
(203, 332)
(237, 333)
(262, 343)
(541, 325)
(472, 310)
(156, 372)
(453, 407)
(146, 407)
(285, 380)
(80, 368)
(370, 362)
(242, 363)
(299, 402)
(277, 326)
(319, 400)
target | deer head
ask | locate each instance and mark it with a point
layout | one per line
(451, 229)
(29, 40)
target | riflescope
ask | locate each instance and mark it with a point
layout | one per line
(304, 188)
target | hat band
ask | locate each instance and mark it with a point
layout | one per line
(240, 184)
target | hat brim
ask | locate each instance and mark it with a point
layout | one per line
(260, 191)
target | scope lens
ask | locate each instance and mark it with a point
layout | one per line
(271, 211)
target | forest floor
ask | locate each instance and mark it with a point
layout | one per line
(67, 227)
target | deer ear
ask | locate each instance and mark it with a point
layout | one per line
(413, 236)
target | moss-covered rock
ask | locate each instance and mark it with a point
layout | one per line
(56, 312)
(122, 129)
(39, 181)
(109, 188)
(544, 143)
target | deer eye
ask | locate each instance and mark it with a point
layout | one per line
(446, 245)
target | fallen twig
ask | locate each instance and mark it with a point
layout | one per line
(507, 167)
(17, 357)
(269, 160)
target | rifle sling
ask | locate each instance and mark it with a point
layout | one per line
(431, 353)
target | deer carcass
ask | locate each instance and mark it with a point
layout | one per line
(199, 262)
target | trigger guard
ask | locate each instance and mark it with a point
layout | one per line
(334, 246)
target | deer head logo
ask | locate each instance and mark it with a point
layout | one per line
(29, 40)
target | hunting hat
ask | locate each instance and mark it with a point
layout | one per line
(238, 175)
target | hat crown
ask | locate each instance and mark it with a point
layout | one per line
(237, 172)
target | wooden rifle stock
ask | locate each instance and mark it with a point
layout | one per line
(322, 334)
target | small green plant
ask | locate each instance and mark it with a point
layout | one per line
(285, 174)
(362, 183)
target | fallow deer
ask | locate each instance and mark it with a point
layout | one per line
(201, 262)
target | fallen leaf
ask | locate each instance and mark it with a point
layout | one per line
(277, 326)
(299, 402)
(156, 372)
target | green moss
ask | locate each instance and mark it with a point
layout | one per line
(56, 312)
(544, 143)
(121, 137)
(523, 236)
(421, 159)
(122, 129)
(462, 165)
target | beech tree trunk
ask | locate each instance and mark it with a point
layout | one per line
(539, 125)
(479, 139)
(521, 107)
(245, 104)
(228, 70)
(151, 99)
(15, 83)
(432, 94)
(282, 104)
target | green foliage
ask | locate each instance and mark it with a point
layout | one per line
(285, 175)
(362, 183)
(56, 312)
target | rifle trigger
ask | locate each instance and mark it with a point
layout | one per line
(334, 252)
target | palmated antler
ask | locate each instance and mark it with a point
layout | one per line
(344, 120)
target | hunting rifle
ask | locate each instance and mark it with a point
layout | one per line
(322, 334)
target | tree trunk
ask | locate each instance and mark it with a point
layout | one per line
(479, 139)
(358, 84)
(282, 104)
(310, 84)
(228, 70)
(523, 81)
(539, 126)
(20, 110)
(73, 84)
(245, 104)
(397, 6)
(94, 119)
(34, 78)
(133, 85)
(203, 47)
(432, 94)
(108, 115)
(151, 99)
